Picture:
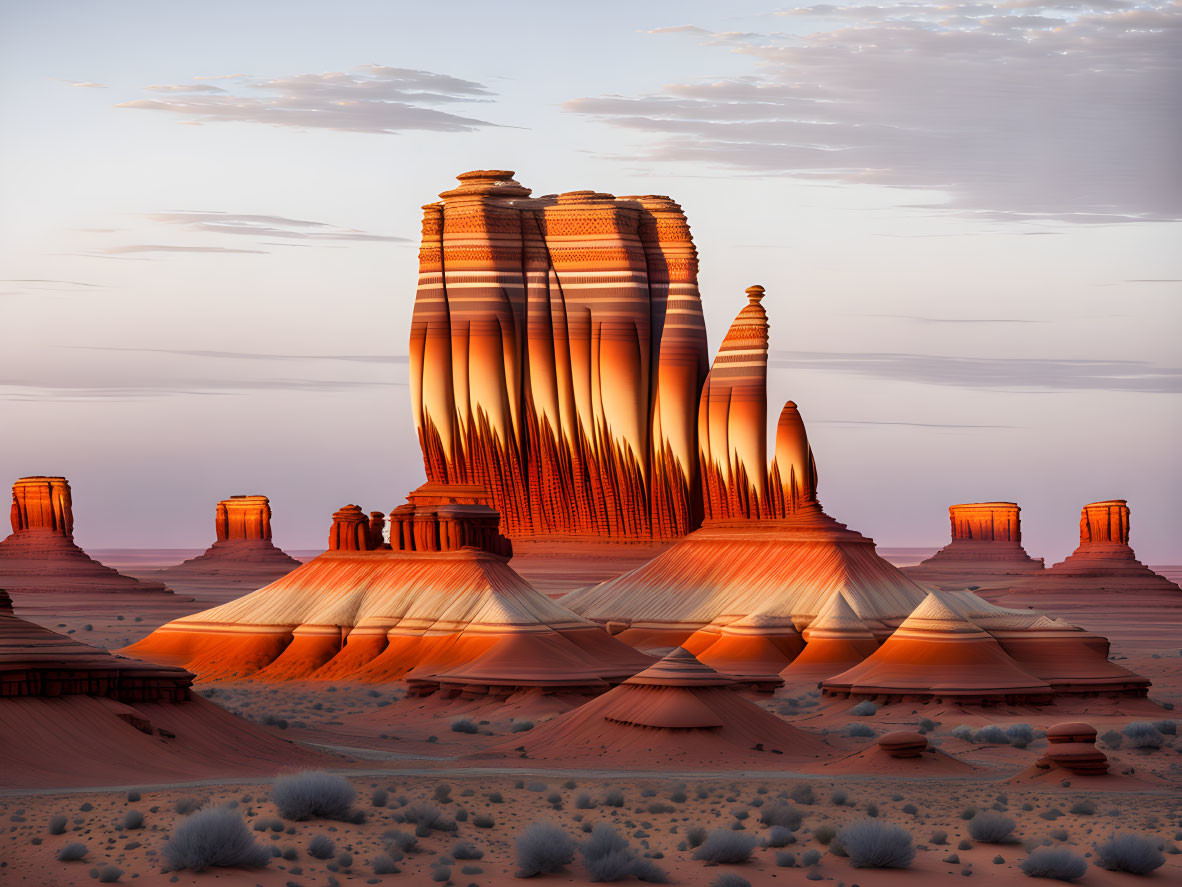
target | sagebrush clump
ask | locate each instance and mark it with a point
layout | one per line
(314, 794)
(1130, 853)
(214, 838)
(872, 844)
(543, 847)
(724, 845)
(1060, 864)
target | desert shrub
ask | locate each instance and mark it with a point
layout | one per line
(608, 857)
(321, 847)
(543, 847)
(1062, 865)
(723, 845)
(838, 796)
(379, 798)
(1142, 734)
(1020, 735)
(613, 798)
(872, 809)
(877, 845)
(72, 852)
(427, 818)
(939, 837)
(1166, 728)
(1112, 739)
(383, 864)
(584, 801)
(464, 725)
(401, 840)
(109, 874)
(1130, 853)
(859, 730)
(810, 857)
(778, 836)
(665, 808)
(803, 794)
(185, 806)
(483, 820)
(695, 836)
(440, 873)
(730, 879)
(785, 860)
(1083, 808)
(781, 814)
(990, 827)
(442, 793)
(991, 735)
(57, 825)
(313, 794)
(521, 726)
(963, 731)
(466, 850)
(214, 838)
(1050, 814)
(273, 823)
(864, 709)
(495, 798)
(824, 833)
(927, 725)
(133, 796)
(133, 819)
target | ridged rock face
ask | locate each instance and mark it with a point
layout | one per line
(439, 607)
(677, 711)
(242, 558)
(557, 353)
(41, 555)
(35, 661)
(352, 531)
(1104, 562)
(243, 517)
(42, 503)
(985, 551)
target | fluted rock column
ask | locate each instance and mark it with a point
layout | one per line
(986, 522)
(42, 503)
(1105, 524)
(243, 517)
(350, 530)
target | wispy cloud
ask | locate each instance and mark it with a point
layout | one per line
(254, 225)
(22, 390)
(252, 355)
(1016, 110)
(370, 98)
(920, 319)
(1009, 374)
(172, 248)
(84, 84)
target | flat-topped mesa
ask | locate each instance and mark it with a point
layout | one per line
(427, 524)
(985, 550)
(557, 351)
(1104, 562)
(243, 517)
(42, 504)
(737, 481)
(41, 556)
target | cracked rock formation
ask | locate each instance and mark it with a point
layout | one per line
(986, 549)
(557, 353)
(242, 558)
(41, 556)
(441, 608)
(767, 560)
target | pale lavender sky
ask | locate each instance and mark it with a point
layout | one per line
(966, 216)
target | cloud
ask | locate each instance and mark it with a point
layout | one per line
(83, 84)
(265, 226)
(22, 390)
(1008, 374)
(41, 283)
(168, 248)
(251, 355)
(371, 99)
(1016, 111)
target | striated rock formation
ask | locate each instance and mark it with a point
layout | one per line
(986, 549)
(837, 640)
(677, 711)
(1072, 747)
(440, 608)
(959, 647)
(767, 558)
(41, 556)
(901, 754)
(1104, 562)
(557, 354)
(903, 744)
(241, 559)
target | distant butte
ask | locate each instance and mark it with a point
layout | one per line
(41, 558)
(241, 559)
(986, 549)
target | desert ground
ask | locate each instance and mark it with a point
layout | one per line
(460, 773)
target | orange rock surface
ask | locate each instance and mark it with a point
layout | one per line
(242, 555)
(41, 556)
(837, 640)
(678, 711)
(767, 559)
(557, 354)
(986, 549)
(443, 610)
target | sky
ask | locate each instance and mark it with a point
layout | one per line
(966, 215)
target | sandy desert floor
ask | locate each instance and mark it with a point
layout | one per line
(399, 751)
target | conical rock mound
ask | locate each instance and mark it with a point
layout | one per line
(678, 711)
(836, 640)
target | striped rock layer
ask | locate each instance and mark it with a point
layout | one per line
(41, 556)
(956, 646)
(1104, 562)
(557, 353)
(985, 550)
(37, 662)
